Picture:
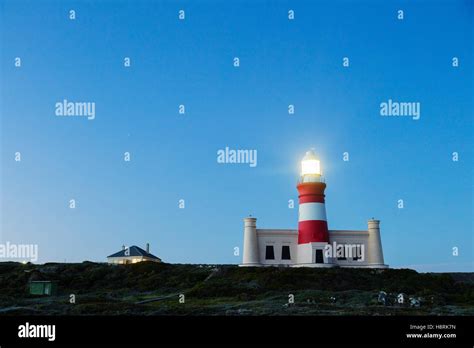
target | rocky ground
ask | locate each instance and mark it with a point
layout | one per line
(164, 289)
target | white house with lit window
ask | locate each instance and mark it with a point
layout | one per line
(132, 254)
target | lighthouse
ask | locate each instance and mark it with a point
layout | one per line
(312, 244)
(312, 223)
(313, 233)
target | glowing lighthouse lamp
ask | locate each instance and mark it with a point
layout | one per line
(312, 222)
(310, 167)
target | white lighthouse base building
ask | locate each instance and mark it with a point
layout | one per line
(346, 248)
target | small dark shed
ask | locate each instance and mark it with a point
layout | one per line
(43, 287)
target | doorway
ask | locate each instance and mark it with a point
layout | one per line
(319, 256)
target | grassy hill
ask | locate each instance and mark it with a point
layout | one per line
(154, 289)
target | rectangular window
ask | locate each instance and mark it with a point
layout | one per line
(269, 253)
(319, 256)
(285, 252)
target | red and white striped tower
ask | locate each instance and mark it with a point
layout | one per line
(312, 223)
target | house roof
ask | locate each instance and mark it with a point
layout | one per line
(134, 251)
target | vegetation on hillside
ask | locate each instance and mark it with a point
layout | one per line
(166, 289)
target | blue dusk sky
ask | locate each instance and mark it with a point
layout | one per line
(174, 156)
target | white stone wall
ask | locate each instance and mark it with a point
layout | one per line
(350, 237)
(277, 239)
(307, 255)
(256, 241)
